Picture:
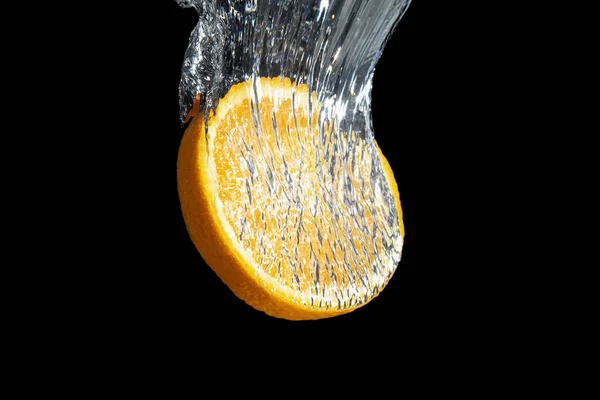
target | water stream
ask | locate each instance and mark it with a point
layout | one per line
(332, 46)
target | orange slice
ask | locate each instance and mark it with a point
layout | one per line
(290, 231)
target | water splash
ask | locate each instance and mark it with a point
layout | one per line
(332, 47)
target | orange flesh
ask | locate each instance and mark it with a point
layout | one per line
(294, 259)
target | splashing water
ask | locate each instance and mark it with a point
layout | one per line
(331, 46)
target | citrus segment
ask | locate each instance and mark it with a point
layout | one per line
(300, 220)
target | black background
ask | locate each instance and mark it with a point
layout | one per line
(154, 270)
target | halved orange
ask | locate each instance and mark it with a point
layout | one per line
(291, 230)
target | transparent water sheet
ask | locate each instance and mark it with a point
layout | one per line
(332, 46)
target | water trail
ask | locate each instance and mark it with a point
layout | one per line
(332, 46)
